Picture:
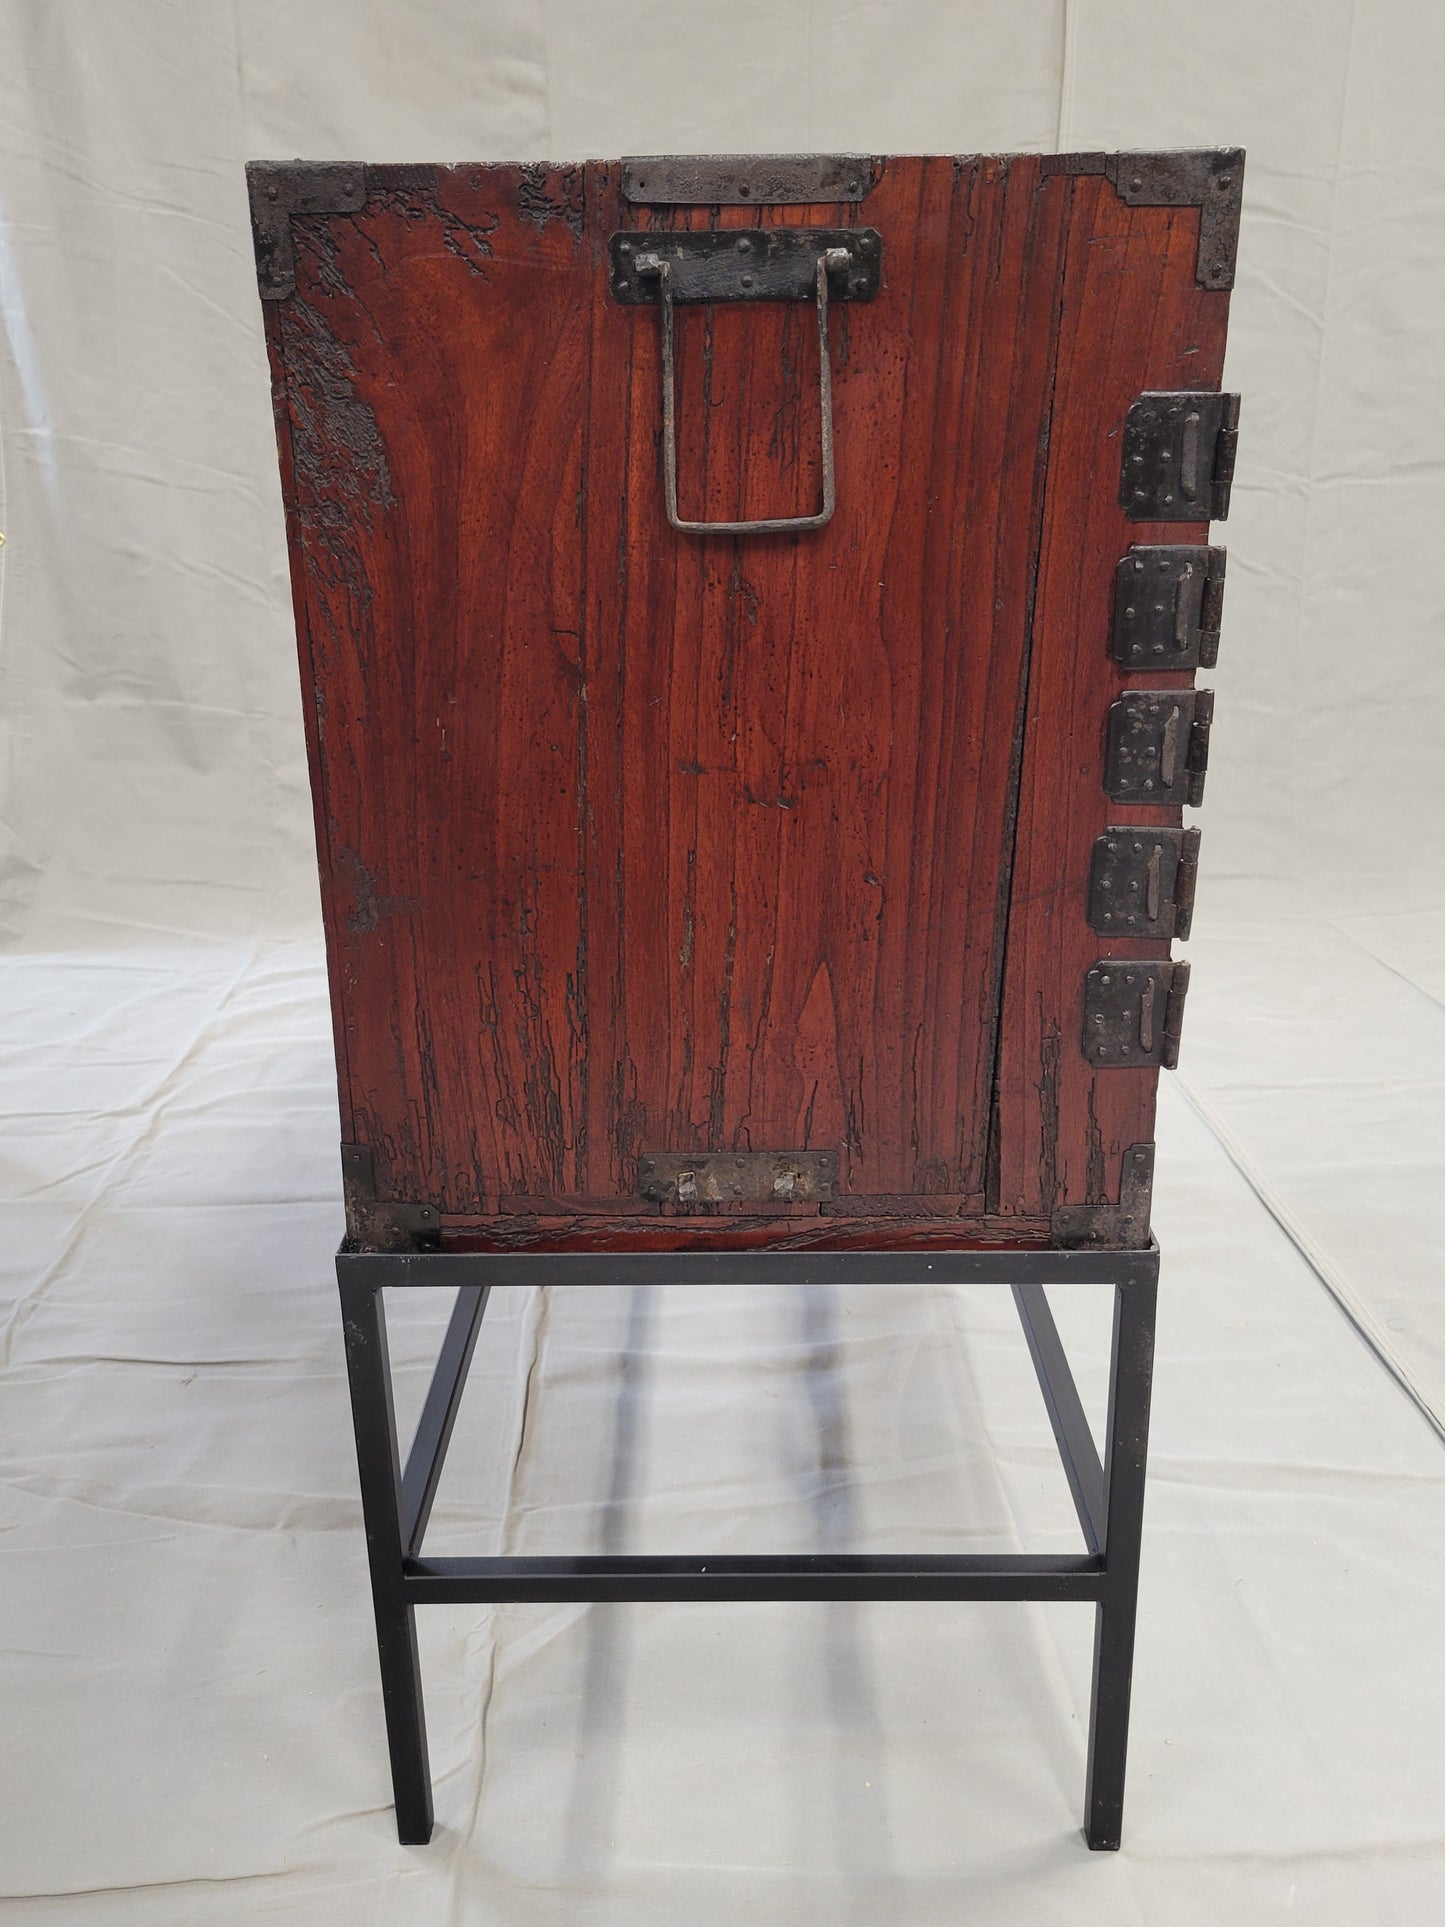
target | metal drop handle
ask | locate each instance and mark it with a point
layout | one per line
(651, 264)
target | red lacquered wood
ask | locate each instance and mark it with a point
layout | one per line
(596, 1231)
(799, 754)
(436, 366)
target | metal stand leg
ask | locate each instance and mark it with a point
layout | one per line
(1130, 1378)
(1109, 1497)
(378, 1463)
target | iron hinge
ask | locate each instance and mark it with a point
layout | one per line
(1123, 1226)
(1142, 881)
(1178, 459)
(1168, 600)
(1158, 747)
(1133, 1012)
(747, 180)
(730, 1177)
(280, 189)
(374, 1224)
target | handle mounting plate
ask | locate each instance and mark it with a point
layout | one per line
(734, 1177)
(754, 264)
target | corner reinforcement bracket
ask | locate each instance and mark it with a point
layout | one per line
(1210, 179)
(374, 1224)
(279, 189)
(1121, 1226)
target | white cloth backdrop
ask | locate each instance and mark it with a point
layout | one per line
(193, 1732)
(154, 771)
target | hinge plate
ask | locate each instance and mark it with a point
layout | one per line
(729, 1177)
(1133, 1010)
(1158, 748)
(745, 180)
(759, 264)
(1123, 1226)
(1167, 604)
(374, 1224)
(280, 189)
(1142, 881)
(1178, 456)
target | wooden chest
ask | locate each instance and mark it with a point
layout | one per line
(801, 886)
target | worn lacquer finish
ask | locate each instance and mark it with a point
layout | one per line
(633, 840)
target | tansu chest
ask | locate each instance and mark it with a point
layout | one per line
(749, 615)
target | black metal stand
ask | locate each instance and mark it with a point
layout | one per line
(1108, 1497)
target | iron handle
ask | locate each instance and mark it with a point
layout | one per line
(828, 259)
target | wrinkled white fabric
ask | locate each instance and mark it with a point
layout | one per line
(193, 1729)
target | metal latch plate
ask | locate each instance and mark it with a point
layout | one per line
(731, 1177)
(1158, 748)
(1167, 603)
(741, 180)
(1142, 882)
(1178, 459)
(1133, 1011)
(759, 264)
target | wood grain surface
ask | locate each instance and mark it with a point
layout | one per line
(634, 840)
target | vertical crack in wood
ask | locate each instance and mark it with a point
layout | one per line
(1004, 935)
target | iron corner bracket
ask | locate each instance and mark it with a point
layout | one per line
(1209, 178)
(279, 189)
(374, 1224)
(1123, 1226)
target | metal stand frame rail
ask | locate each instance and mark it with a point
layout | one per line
(1108, 1496)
